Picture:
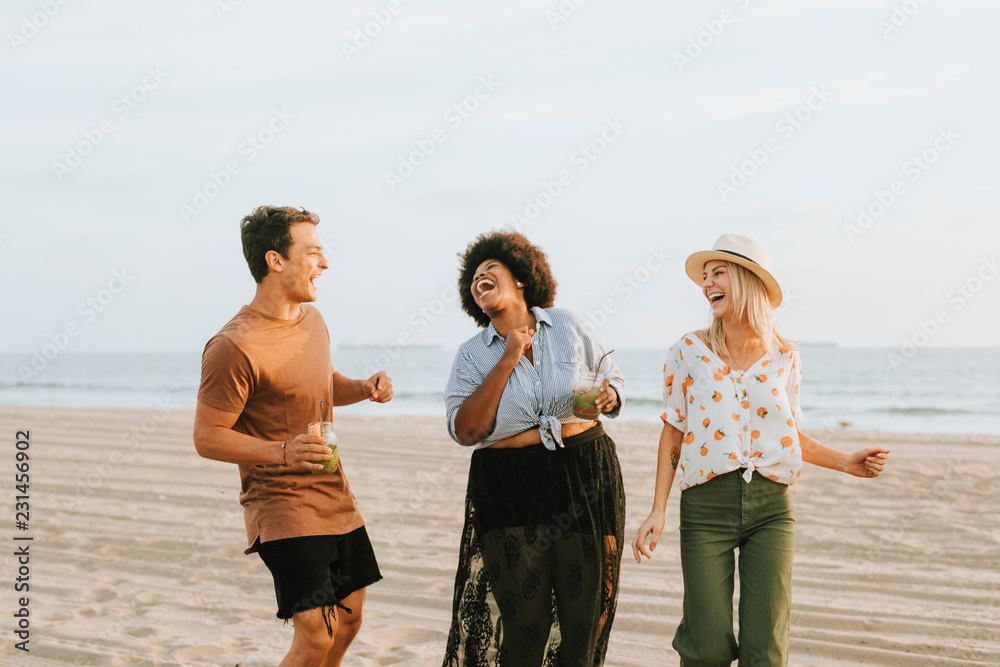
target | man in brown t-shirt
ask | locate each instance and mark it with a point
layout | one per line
(263, 377)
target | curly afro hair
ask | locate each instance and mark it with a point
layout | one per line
(526, 261)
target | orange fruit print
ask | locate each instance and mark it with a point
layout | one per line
(786, 441)
(754, 435)
(706, 422)
(704, 450)
(716, 396)
(761, 412)
(720, 434)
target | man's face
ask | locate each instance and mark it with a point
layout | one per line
(304, 265)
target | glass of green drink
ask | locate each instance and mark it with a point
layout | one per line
(586, 390)
(325, 430)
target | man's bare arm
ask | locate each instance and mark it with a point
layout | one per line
(214, 438)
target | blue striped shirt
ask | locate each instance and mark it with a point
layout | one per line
(538, 395)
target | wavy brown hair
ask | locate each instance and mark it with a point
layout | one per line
(525, 260)
(268, 228)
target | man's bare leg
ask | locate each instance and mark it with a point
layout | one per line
(311, 642)
(312, 645)
(345, 628)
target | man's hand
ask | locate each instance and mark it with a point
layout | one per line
(304, 450)
(378, 388)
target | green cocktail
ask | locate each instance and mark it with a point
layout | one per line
(585, 395)
(325, 430)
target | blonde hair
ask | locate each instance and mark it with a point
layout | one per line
(748, 299)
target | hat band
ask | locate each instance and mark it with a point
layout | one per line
(730, 252)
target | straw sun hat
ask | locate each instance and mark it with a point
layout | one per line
(739, 250)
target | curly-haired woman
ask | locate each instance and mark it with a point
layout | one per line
(731, 431)
(537, 579)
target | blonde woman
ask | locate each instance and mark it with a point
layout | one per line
(731, 433)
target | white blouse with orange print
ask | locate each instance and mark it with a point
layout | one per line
(733, 419)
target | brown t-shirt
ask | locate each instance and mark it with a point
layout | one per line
(273, 373)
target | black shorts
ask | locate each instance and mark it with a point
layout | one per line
(320, 570)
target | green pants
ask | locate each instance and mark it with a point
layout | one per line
(717, 518)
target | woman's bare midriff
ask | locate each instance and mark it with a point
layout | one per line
(533, 437)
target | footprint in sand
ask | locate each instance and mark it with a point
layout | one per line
(148, 598)
(141, 632)
(197, 652)
(416, 646)
(99, 595)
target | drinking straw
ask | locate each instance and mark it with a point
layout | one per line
(599, 362)
(318, 430)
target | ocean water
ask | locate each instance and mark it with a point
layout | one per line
(939, 390)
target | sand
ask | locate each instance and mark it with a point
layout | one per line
(137, 556)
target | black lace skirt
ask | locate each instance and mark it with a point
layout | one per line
(537, 579)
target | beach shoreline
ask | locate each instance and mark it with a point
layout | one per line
(137, 547)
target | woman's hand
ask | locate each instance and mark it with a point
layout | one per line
(866, 462)
(518, 342)
(608, 399)
(653, 525)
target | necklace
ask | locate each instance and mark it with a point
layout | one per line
(745, 359)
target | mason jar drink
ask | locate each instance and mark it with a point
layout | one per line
(585, 393)
(325, 430)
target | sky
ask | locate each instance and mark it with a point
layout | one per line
(856, 140)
